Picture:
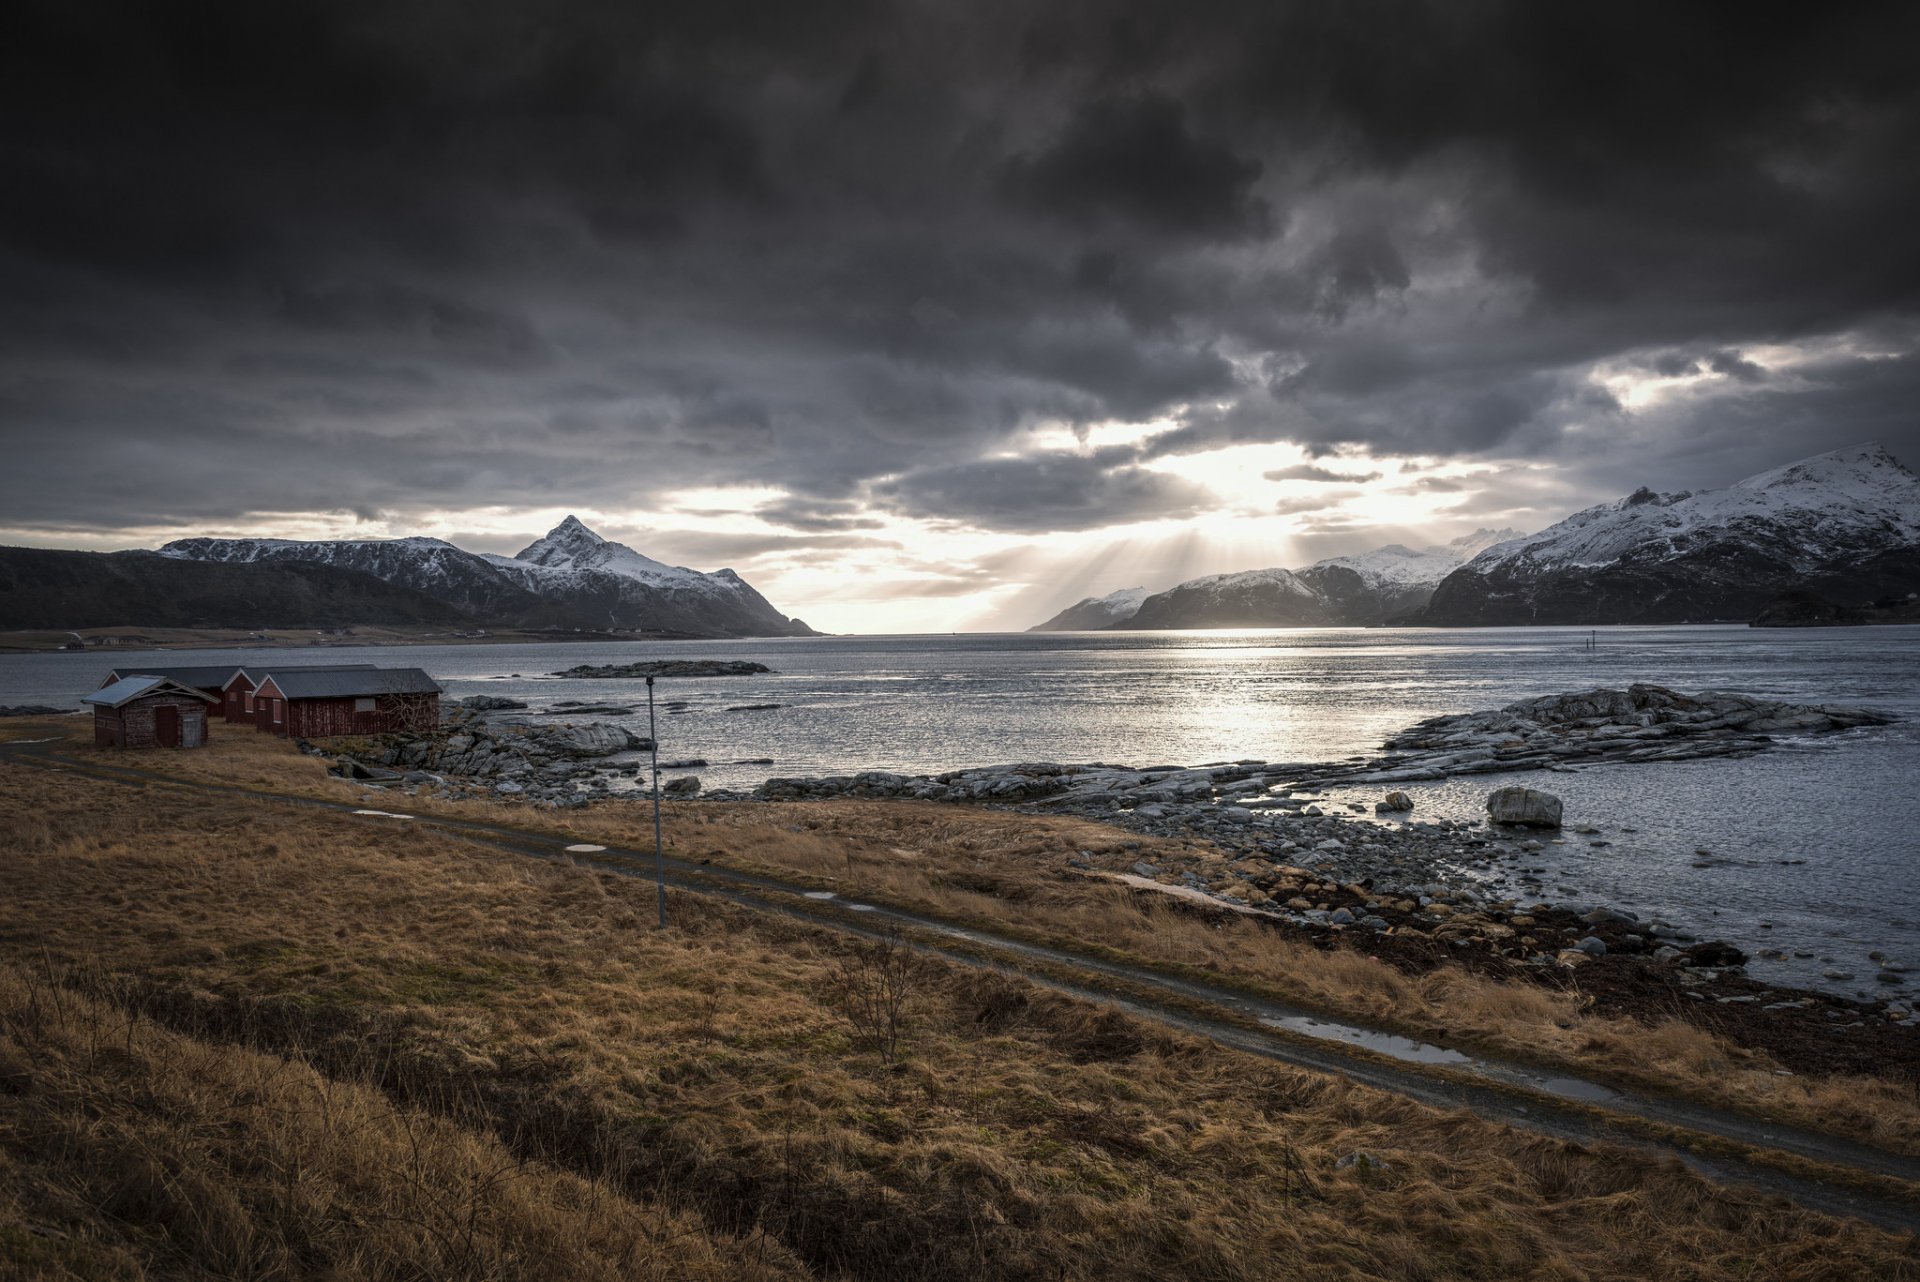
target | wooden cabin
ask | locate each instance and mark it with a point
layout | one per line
(313, 703)
(236, 696)
(208, 679)
(144, 711)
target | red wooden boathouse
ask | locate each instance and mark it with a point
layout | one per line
(236, 696)
(314, 703)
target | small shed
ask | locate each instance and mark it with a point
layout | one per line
(236, 696)
(314, 703)
(208, 679)
(144, 711)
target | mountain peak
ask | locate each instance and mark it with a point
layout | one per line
(1869, 464)
(562, 545)
(574, 529)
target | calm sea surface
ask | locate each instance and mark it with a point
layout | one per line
(1848, 805)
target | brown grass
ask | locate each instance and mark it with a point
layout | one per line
(1010, 870)
(339, 1022)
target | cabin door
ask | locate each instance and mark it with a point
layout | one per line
(166, 725)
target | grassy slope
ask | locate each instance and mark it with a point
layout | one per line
(1010, 871)
(231, 1037)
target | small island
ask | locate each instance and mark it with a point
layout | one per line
(667, 668)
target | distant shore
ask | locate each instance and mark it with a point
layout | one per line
(131, 639)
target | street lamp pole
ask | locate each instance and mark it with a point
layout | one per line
(653, 761)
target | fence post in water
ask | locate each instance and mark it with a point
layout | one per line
(653, 763)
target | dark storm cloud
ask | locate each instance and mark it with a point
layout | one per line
(1048, 492)
(344, 256)
(1136, 161)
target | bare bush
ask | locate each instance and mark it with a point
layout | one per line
(872, 986)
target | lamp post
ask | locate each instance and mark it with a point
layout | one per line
(653, 762)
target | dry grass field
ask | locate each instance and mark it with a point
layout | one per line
(1010, 871)
(242, 1041)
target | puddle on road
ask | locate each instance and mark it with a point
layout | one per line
(820, 894)
(1413, 1052)
(585, 848)
(382, 814)
(1402, 1048)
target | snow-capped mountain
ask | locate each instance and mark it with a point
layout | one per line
(1844, 525)
(439, 569)
(1369, 587)
(1273, 598)
(1090, 614)
(1372, 587)
(571, 578)
(612, 581)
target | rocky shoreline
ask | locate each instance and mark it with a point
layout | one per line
(1259, 837)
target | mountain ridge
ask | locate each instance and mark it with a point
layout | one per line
(1843, 525)
(1361, 588)
(569, 577)
(55, 588)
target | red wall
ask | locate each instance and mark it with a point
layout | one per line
(323, 718)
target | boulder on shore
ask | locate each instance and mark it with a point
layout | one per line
(1393, 802)
(1526, 806)
(685, 786)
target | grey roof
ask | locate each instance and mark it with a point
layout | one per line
(117, 694)
(204, 675)
(345, 683)
(258, 672)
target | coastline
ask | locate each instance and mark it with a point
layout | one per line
(1445, 974)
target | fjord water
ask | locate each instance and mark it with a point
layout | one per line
(1847, 805)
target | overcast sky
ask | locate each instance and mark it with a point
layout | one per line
(931, 316)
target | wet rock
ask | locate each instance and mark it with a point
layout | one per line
(1593, 946)
(685, 786)
(592, 739)
(1715, 952)
(1393, 803)
(1525, 806)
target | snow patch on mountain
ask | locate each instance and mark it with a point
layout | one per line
(1810, 512)
(569, 577)
(1094, 612)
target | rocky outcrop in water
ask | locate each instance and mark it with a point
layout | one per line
(1640, 723)
(490, 703)
(667, 668)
